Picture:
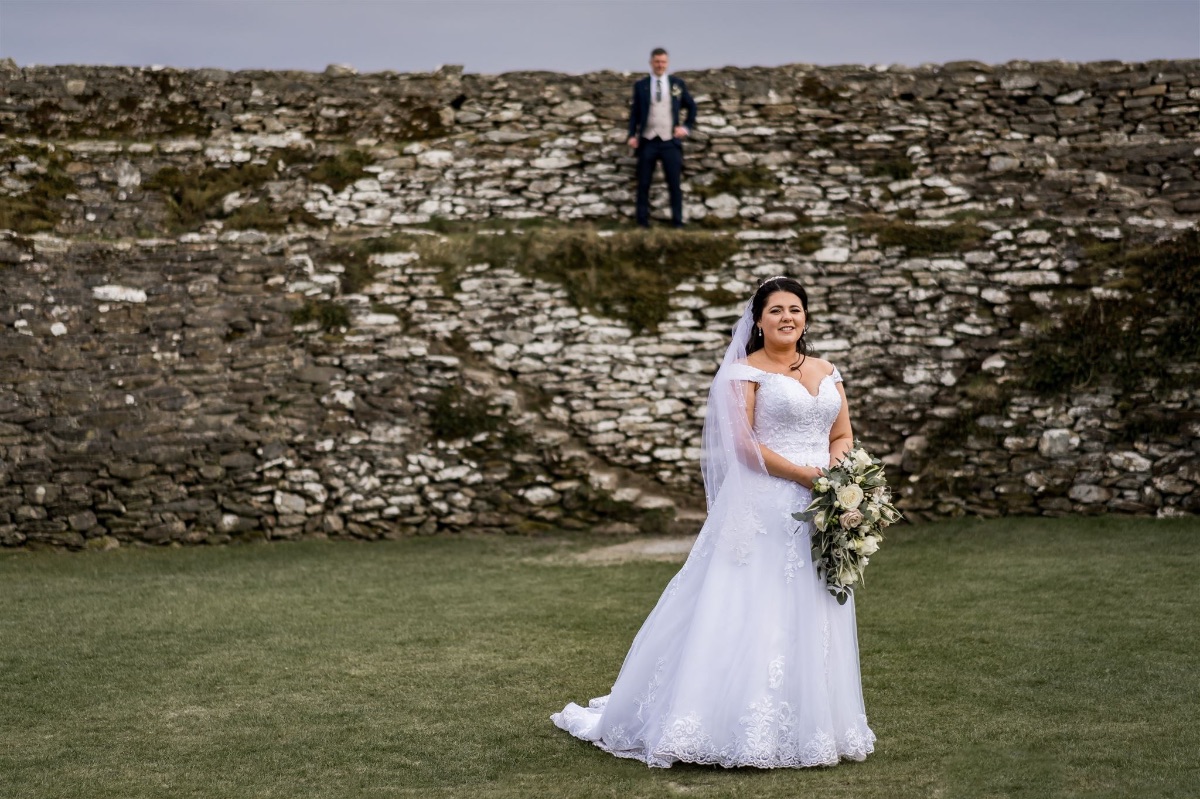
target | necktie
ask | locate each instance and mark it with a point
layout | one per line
(658, 92)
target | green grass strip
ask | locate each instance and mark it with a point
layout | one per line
(1010, 658)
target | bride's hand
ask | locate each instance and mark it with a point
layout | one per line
(805, 475)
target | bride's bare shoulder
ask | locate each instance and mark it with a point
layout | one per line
(757, 360)
(823, 366)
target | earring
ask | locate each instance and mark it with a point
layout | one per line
(759, 332)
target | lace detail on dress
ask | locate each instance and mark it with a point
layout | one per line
(858, 741)
(793, 422)
(770, 739)
(767, 732)
(647, 697)
(683, 739)
(740, 539)
(794, 561)
(821, 750)
(677, 580)
(775, 674)
(619, 739)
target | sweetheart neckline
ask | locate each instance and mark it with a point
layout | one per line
(820, 385)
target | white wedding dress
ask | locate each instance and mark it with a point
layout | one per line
(747, 660)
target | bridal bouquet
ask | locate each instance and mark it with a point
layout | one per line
(850, 508)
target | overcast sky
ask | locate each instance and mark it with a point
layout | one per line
(584, 35)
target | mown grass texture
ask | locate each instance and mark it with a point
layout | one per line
(1012, 658)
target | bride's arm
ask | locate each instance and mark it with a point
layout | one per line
(777, 465)
(841, 436)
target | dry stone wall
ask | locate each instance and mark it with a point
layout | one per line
(1105, 139)
(189, 354)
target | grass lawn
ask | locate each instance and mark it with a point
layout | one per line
(1010, 658)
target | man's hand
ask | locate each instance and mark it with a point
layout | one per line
(632, 142)
(681, 132)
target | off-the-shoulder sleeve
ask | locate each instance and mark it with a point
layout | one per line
(836, 375)
(742, 371)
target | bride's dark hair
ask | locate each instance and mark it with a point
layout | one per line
(765, 290)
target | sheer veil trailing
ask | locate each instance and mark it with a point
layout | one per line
(730, 450)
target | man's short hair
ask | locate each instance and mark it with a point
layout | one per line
(657, 51)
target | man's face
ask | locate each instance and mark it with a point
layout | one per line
(658, 64)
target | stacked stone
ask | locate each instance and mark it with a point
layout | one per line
(161, 388)
(1109, 139)
(157, 391)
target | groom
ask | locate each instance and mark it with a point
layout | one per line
(656, 135)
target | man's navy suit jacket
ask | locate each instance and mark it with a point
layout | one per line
(639, 110)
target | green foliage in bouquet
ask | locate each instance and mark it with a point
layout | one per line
(851, 506)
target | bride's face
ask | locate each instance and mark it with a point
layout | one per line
(782, 320)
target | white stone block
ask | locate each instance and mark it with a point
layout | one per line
(112, 293)
(1057, 442)
(436, 158)
(553, 162)
(832, 255)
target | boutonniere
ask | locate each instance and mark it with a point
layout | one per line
(676, 91)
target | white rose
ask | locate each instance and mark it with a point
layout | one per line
(870, 545)
(850, 496)
(861, 458)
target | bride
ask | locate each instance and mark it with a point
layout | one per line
(747, 660)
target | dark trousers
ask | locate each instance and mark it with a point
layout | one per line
(649, 153)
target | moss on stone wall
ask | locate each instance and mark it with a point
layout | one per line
(455, 414)
(341, 170)
(355, 255)
(418, 120)
(117, 117)
(898, 169)
(738, 181)
(922, 240)
(194, 196)
(812, 88)
(628, 275)
(1136, 333)
(36, 209)
(260, 215)
(330, 315)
